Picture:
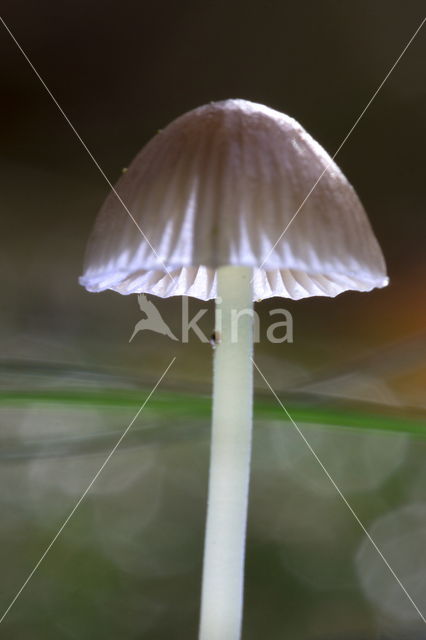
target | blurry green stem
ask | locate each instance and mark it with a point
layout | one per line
(224, 551)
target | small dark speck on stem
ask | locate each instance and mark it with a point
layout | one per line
(215, 339)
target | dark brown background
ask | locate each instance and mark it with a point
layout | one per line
(123, 70)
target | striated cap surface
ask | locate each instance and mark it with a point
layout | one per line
(219, 186)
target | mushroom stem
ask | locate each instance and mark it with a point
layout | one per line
(224, 550)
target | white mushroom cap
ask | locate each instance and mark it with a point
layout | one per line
(218, 186)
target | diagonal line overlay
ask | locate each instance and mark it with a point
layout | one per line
(348, 505)
(86, 491)
(345, 139)
(84, 145)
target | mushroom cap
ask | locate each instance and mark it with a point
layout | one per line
(219, 186)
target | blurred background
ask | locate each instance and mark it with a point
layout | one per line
(128, 564)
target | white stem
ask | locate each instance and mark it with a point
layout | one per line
(224, 550)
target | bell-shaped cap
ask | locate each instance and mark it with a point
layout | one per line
(219, 186)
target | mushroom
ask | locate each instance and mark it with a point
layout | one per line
(219, 209)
